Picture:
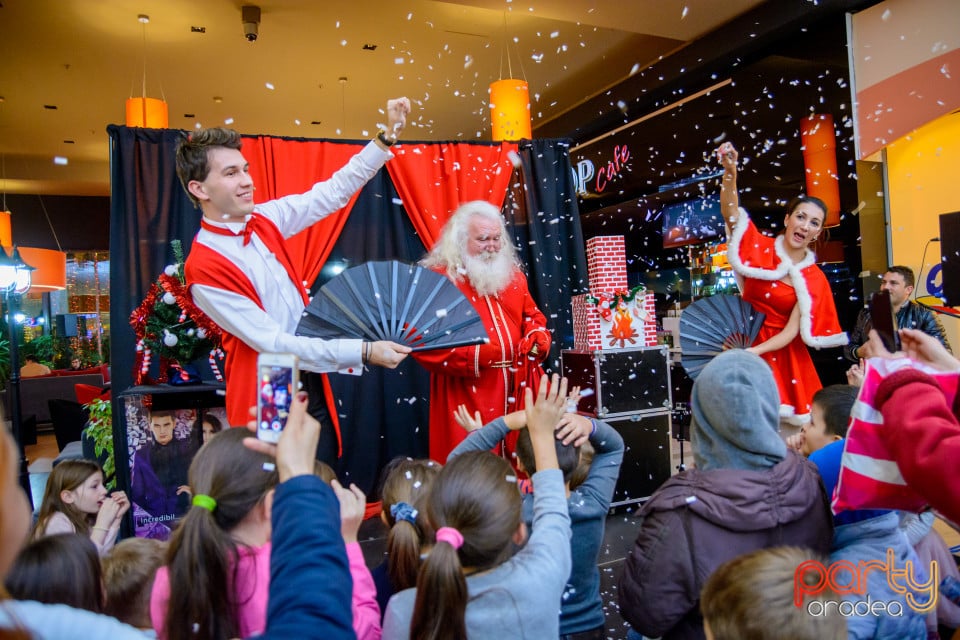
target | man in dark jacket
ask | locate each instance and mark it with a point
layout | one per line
(899, 281)
(747, 492)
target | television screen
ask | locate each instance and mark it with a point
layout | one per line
(950, 257)
(692, 222)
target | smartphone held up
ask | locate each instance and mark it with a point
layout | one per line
(883, 317)
(277, 378)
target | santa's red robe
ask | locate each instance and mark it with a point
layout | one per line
(482, 377)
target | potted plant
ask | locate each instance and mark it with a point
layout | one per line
(100, 431)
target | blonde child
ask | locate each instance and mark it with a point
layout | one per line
(128, 573)
(76, 501)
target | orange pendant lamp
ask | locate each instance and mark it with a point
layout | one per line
(510, 110)
(144, 112)
(6, 230)
(820, 163)
(50, 267)
(147, 113)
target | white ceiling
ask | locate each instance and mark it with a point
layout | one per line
(87, 56)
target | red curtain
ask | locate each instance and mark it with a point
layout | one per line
(280, 167)
(433, 179)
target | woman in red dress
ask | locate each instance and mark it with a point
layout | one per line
(780, 278)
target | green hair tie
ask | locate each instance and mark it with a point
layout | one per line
(206, 502)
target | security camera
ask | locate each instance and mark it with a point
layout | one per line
(250, 16)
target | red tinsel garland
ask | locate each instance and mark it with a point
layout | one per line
(173, 286)
(139, 319)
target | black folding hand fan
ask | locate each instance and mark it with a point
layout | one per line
(712, 325)
(407, 304)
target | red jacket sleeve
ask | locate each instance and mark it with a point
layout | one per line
(923, 434)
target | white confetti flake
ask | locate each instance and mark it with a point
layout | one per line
(683, 14)
(269, 85)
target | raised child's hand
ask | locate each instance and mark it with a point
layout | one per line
(464, 419)
(924, 348)
(575, 429)
(551, 403)
(123, 504)
(353, 503)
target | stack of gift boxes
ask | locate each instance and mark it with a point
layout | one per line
(607, 272)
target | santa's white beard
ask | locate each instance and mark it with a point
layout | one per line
(489, 273)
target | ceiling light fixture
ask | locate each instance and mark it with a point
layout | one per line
(509, 99)
(149, 113)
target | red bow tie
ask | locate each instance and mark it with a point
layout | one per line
(252, 226)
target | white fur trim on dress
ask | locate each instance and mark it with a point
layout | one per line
(786, 267)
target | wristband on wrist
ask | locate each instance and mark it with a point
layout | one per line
(382, 137)
(101, 529)
(593, 425)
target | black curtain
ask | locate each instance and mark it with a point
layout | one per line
(542, 214)
(148, 209)
(383, 413)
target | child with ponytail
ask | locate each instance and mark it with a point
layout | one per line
(217, 574)
(475, 583)
(76, 501)
(405, 484)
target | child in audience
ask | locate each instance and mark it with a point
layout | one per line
(873, 536)
(59, 569)
(581, 610)
(406, 482)
(752, 598)
(128, 573)
(829, 418)
(75, 501)
(28, 618)
(474, 583)
(217, 574)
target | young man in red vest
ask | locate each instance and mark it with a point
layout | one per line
(240, 272)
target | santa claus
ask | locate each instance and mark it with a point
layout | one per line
(475, 252)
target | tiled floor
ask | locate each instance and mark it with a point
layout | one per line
(40, 459)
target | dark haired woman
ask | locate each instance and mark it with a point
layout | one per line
(780, 278)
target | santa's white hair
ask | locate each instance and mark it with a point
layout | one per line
(488, 277)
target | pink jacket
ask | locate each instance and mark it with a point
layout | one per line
(366, 611)
(253, 573)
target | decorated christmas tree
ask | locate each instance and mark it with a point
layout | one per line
(170, 326)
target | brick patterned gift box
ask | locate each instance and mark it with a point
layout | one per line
(610, 316)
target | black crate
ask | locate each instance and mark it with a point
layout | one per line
(646, 457)
(622, 380)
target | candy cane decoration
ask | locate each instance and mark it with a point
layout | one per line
(214, 354)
